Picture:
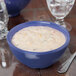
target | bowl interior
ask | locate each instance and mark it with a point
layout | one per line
(38, 23)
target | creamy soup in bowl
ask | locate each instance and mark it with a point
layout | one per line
(38, 39)
(38, 44)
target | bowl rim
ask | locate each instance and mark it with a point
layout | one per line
(66, 34)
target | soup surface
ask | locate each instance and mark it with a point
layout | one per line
(38, 39)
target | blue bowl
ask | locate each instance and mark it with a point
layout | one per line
(15, 6)
(38, 59)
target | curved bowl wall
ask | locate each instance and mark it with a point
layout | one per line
(15, 6)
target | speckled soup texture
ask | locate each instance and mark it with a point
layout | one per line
(38, 39)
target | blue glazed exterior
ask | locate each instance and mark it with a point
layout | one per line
(15, 6)
(38, 59)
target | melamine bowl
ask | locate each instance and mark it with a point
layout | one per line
(38, 59)
(15, 6)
